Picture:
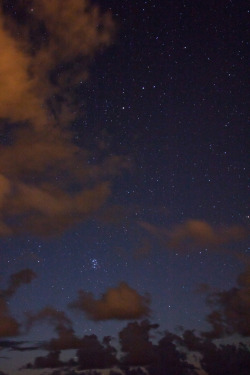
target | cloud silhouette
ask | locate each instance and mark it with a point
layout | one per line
(51, 360)
(121, 303)
(232, 309)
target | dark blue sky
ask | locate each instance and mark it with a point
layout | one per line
(161, 121)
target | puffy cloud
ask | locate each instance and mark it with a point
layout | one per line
(197, 233)
(9, 325)
(42, 59)
(119, 303)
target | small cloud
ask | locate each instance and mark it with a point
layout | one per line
(200, 232)
(121, 303)
(195, 233)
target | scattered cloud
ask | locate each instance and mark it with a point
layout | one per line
(121, 303)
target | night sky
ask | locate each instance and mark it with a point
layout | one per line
(123, 186)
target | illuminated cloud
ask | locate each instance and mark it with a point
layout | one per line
(46, 181)
(196, 233)
(73, 32)
(201, 233)
(119, 303)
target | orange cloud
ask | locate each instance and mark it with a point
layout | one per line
(196, 233)
(201, 233)
(119, 303)
(40, 165)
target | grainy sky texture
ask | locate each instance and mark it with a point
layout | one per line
(124, 218)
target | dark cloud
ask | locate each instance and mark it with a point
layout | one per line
(54, 317)
(232, 313)
(51, 360)
(9, 326)
(226, 359)
(16, 280)
(159, 358)
(229, 318)
(135, 343)
(8, 344)
(40, 162)
(170, 359)
(17, 345)
(66, 338)
(196, 233)
(122, 303)
(93, 354)
(218, 359)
